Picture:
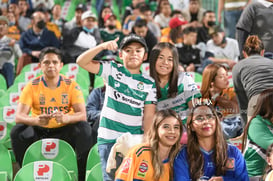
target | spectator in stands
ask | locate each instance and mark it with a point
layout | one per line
(13, 30)
(82, 38)
(141, 29)
(44, 4)
(215, 86)
(165, 32)
(94, 106)
(189, 53)
(225, 50)
(251, 76)
(209, 20)
(110, 31)
(194, 14)
(13, 7)
(56, 17)
(130, 95)
(175, 90)
(268, 173)
(58, 111)
(50, 25)
(130, 19)
(35, 39)
(147, 14)
(207, 156)
(232, 10)
(9, 51)
(106, 9)
(155, 157)
(175, 35)
(256, 20)
(129, 9)
(258, 135)
(25, 15)
(164, 16)
(76, 21)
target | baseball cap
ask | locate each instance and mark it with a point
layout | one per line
(215, 29)
(4, 18)
(133, 38)
(176, 21)
(81, 7)
(88, 14)
(109, 16)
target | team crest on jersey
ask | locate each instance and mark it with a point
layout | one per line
(126, 165)
(42, 99)
(140, 85)
(143, 168)
(230, 164)
(64, 98)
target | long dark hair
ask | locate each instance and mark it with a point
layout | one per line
(172, 92)
(263, 108)
(195, 157)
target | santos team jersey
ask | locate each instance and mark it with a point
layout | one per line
(44, 100)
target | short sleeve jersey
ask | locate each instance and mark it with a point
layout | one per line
(235, 165)
(125, 97)
(137, 166)
(187, 90)
(44, 100)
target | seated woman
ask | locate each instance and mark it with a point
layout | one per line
(268, 172)
(207, 156)
(215, 86)
(153, 160)
(258, 135)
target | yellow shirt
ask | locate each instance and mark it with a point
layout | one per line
(137, 165)
(44, 100)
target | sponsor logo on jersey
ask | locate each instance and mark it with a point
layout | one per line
(42, 99)
(230, 164)
(140, 86)
(126, 165)
(64, 98)
(52, 99)
(143, 168)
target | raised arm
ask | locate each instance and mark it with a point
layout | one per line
(85, 60)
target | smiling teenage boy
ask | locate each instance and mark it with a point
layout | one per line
(130, 95)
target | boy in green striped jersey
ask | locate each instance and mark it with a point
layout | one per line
(130, 97)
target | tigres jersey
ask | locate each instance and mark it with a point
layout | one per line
(137, 166)
(44, 100)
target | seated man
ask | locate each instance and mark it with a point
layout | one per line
(225, 50)
(35, 39)
(58, 111)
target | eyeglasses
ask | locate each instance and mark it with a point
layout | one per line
(200, 119)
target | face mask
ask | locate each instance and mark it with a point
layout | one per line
(224, 40)
(11, 23)
(211, 23)
(88, 30)
(41, 24)
(111, 27)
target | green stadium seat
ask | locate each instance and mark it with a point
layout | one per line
(93, 159)
(43, 170)
(6, 172)
(7, 121)
(95, 173)
(3, 83)
(53, 150)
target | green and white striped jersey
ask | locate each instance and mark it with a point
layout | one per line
(125, 97)
(187, 90)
